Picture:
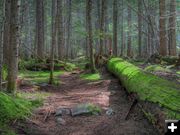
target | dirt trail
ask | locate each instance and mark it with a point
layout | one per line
(105, 93)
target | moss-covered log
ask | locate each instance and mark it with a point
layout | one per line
(147, 86)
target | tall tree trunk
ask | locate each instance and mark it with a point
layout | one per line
(13, 46)
(172, 28)
(1, 47)
(129, 49)
(90, 40)
(162, 28)
(140, 27)
(102, 21)
(6, 32)
(115, 19)
(69, 28)
(122, 27)
(60, 29)
(53, 40)
(40, 28)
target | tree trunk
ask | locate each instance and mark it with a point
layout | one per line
(102, 21)
(122, 28)
(13, 46)
(40, 28)
(172, 28)
(140, 27)
(60, 29)
(53, 41)
(90, 40)
(69, 28)
(129, 50)
(162, 28)
(115, 15)
(6, 32)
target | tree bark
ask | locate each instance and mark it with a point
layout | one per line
(115, 19)
(1, 47)
(102, 22)
(172, 29)
(69, 28)
(6, 32)
(129, 49)
(122, 28)
(40, 28)
(53, 40)
(140, 28)
(162, 28)
(90, 40)
(60, 29)
(13, 46)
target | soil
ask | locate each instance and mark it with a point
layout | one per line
(105, 93)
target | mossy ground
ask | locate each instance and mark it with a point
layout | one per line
(12, 108)
(90, 77)
(149, 87)
(39, 76)
(154, 68)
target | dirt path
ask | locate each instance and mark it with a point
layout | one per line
(104, 93)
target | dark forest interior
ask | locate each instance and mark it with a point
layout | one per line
(89, 67)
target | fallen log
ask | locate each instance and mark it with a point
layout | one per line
(147, 86)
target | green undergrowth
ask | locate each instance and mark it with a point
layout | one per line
(39, 76)
(13, 108)
(154, 68)
(178, 72)
(90, 77)
(148, 86)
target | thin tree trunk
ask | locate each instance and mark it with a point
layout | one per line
(6, 32)
(69, 28)
(40, 28)
(129, 49)
(1, 47)
(172, 29)
(162, 28)
(122, 28)
(60, 29)
(115, 17)
(90, 40)
(103, 3)
(53, 41)
(140, 27)
(13, 47)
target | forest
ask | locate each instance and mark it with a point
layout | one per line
(89, 67)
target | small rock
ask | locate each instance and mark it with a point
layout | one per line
(60, 121)
(62, 111)
(113, 93)
(43, 84)
(109, 112)
(80, 109)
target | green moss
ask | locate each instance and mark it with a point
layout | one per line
(149, 87)
(39, 76)
(154, 68)
(94, 109)
(90, 77)
(178, 72)
(12, 108)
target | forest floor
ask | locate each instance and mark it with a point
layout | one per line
(107, 93)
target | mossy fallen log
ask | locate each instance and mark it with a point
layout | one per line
(147, 86)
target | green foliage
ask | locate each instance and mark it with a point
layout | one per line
(23, 64)
(148, 87)
(90, 77)
(154, 68)
(4, 72)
